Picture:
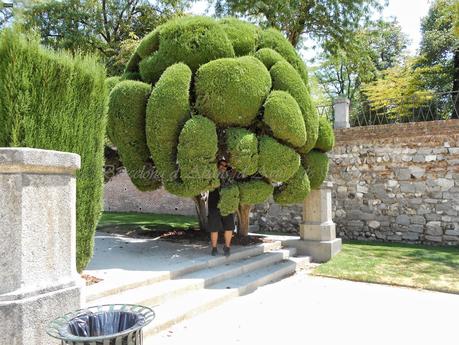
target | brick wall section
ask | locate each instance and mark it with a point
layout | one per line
(391, 183)
(122, 196)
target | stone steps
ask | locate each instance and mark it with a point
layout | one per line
(106, 289)
(206, 283)
(158, 292)
(199, 301)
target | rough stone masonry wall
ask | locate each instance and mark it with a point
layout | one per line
(391, 182)
(120, 195)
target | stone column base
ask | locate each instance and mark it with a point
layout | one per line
(23, 321)
(319, 251)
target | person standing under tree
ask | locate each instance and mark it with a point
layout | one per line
(216, 222)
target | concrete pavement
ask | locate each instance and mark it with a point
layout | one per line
(304, 309)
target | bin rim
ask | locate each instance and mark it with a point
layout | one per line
(54, 327)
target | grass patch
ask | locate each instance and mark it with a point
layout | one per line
(146, 221)
(432, 268)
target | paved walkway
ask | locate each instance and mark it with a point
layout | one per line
(121, 258)
(304, 309)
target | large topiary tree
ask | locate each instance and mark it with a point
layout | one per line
(197, 89)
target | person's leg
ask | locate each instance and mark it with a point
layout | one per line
(214, 239)
(228, 237)
(227, 248)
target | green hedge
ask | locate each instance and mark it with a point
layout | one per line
(294, 190)
(242, 146)
(126, 124)
(316, 165)
(229, 200)
(55, 101)
(254, 191)
(284, 77)
(167, 111)
(231, 91)
(283, 115)
(276, 162)
(326, 139)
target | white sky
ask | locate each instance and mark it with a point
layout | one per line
(407, 12)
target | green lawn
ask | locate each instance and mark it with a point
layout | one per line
(433, 268)
(146, 221)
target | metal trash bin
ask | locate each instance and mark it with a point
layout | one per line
(111, 324)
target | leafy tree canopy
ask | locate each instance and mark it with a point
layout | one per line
(374, 48)
(328, 21)
(98, 25)
(399, 89)
(440, 45)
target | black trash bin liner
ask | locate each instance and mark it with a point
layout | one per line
(103, 323)
(113, 324)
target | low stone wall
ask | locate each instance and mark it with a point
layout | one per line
(391, 183)
(120, 195)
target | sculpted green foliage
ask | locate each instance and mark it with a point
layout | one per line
(272, 38)
(276, 162)
(283, 115)
(225, 88)
(229, 200)
(242, 146)
(191, 40)
(254, 191)
(326, 139)
(110, 83)
(196, 156)
(231, 91)
(242, 35)
(284, 77)
(268, 56)
(316, 166)
(167, 111)
(126, 118)
(295, 190)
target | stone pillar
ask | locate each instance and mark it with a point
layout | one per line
(317, 232)
(341, 110)
(38, 278)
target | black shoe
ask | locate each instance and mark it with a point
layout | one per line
(214, 251)
(226, 251)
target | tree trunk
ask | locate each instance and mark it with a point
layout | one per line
(243, 214)
(455, 94)
(200, 202)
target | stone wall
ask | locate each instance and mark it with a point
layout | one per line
(391, 183)
(120, 195)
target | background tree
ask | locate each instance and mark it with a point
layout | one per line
(98, 26)
(197, 89)
(377, 46)
(400, 92)
(327, 21)
(440, 47)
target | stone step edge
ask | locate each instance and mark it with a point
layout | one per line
(146, 295)
(286, 268)
(96, 291)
